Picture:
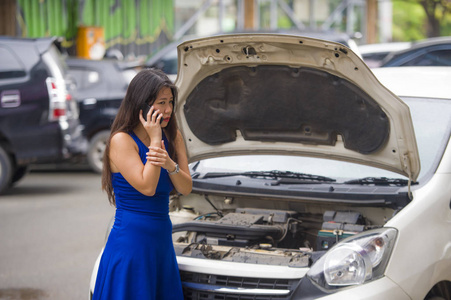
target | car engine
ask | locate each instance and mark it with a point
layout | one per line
(265, 236)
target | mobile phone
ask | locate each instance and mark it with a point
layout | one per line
(145, 110)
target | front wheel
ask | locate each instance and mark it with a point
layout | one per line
(19, 173)
(441, 291)
(6, 170)
(96, 149)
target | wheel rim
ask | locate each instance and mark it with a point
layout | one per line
(97, 148)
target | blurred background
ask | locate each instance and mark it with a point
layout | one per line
(140, 28)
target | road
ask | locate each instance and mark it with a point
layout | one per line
(52, 227)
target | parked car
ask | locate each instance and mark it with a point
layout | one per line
(100, 86)
(166, 58)
(38, 117)
(374, 54)
(306, 174)
(429, 52)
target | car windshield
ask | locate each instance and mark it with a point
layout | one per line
(432, 129)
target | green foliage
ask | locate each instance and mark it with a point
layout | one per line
(410, 20)
(125, 22)
(284, 22)
(445, 19)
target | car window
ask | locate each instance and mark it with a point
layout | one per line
(10, 66)
(168, 62)
(128, 75)
(169, 66)
(432, 58)
(84, 78)
(432, 128)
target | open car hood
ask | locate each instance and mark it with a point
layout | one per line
(289, 95)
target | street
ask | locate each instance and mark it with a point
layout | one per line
(52, 227)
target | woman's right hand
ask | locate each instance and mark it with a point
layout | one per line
(152, 124)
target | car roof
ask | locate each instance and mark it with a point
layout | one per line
(82, 62)
(394, 58)
(444, 40)
(432, 41)
(383, 47)
(428, 82)
(41, 44)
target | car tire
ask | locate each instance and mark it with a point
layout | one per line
(6, 170)
(96, 149)
(441, 291)
(19, 173)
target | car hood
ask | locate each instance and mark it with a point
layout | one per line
(289, 95)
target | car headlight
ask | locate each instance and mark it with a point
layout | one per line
(355, 260)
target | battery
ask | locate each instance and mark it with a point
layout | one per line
(327, 238)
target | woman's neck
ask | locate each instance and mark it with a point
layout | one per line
(141, 133)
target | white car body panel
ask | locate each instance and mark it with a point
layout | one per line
(422, 257)
(246, 270)
(383, 288)
(419, 78)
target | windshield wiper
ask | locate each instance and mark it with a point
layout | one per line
(286, 177)
(380, 181)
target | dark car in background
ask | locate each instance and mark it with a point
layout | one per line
(374, 54)
(99, 87)
(429, 52)
(38, 117)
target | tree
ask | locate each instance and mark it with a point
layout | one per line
(438, 14)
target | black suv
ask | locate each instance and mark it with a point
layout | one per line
(100, 86)
(38, 118)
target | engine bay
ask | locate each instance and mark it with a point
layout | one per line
(265, 235)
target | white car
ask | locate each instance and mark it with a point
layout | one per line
(306, 174)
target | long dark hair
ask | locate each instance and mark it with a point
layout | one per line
(144, 88)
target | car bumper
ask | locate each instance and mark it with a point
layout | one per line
(74, 142)
(383, 288)
(297, 286)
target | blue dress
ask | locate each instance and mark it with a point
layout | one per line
(139, 261)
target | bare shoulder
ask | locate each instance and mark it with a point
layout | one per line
(122, 149)
(121, 140)
(119, 137)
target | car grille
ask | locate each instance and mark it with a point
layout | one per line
(198, 286)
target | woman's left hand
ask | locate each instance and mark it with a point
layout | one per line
(159, 157)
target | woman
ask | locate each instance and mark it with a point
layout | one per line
(145, 159)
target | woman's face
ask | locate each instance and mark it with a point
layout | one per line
(165, 104)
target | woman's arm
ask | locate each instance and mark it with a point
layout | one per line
(124, 158)
(182, 180)
(159, 157)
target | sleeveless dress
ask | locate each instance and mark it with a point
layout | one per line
(139, 261)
